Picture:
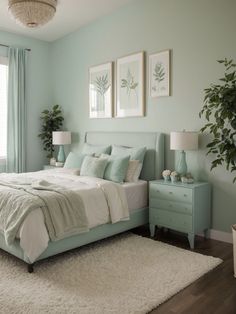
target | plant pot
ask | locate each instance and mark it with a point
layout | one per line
(234, 247)
(52, 161)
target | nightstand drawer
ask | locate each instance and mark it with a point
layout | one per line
(179, 222)
(185, 208)
(172, 193)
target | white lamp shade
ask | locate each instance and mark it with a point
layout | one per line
(184, 140)
(61, 138)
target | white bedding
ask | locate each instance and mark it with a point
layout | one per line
(33, 234)
(137, 194)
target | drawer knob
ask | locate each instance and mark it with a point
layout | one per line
(185, 195)
(170, 192)
(170, 205)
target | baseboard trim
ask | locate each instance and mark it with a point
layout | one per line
(214, 235)
(220, 236)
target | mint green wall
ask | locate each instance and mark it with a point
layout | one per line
(198, 32)
(38, 94)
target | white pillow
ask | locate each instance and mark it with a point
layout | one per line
(132, 171)
(73, 171)
(137, 172)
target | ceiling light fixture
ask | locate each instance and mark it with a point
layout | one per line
(32, 13)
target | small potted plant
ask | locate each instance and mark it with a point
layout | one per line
(174, 176)
(166, 175)
(52, 120)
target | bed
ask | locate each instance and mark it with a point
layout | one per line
(152, 167)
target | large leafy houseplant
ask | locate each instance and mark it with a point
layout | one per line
(52, 120)
(220, 111)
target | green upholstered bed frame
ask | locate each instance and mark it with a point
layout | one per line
(152, 168)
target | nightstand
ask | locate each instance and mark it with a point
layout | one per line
(47, 167)
(178, 206)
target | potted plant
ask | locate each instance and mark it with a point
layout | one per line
(220, 111)
(52, 120)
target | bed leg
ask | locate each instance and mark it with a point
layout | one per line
(30, 268)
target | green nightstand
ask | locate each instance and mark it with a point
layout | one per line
(47, 167)
(178, 206)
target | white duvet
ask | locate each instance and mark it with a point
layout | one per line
(104, 202)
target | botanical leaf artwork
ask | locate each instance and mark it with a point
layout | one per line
(159, 75)
(102, 85)
(100, 91)
(130, 84)
(159, 72)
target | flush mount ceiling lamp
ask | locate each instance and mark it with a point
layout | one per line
(32, 13)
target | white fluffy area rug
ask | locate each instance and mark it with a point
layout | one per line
(124, 274)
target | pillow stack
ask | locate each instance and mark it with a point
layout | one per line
(124, 163)
(116, 167)
(136, 160)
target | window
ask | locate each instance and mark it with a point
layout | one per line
(3, 107)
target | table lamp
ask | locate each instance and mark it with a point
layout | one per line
(183, 141)
(61, 138)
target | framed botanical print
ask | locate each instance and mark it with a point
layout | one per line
(130, 86)
(159, 74)
(101, 91)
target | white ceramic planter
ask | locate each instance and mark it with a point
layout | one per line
(234, 247)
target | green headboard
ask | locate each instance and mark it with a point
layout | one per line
(154, 142)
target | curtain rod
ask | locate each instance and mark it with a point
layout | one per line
(8, 47)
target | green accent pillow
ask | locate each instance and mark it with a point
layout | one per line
(74, 160)
(97, 150)
(133, 152)
(93, 167)
(116, 168)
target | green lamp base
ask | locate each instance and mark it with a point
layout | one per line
(182, 165)
(61, 154)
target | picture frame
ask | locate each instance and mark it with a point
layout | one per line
(130, 86)
(159, 74)
(101, 91)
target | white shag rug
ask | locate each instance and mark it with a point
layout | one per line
(124, 274)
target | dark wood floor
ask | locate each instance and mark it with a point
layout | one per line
(215, 292)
